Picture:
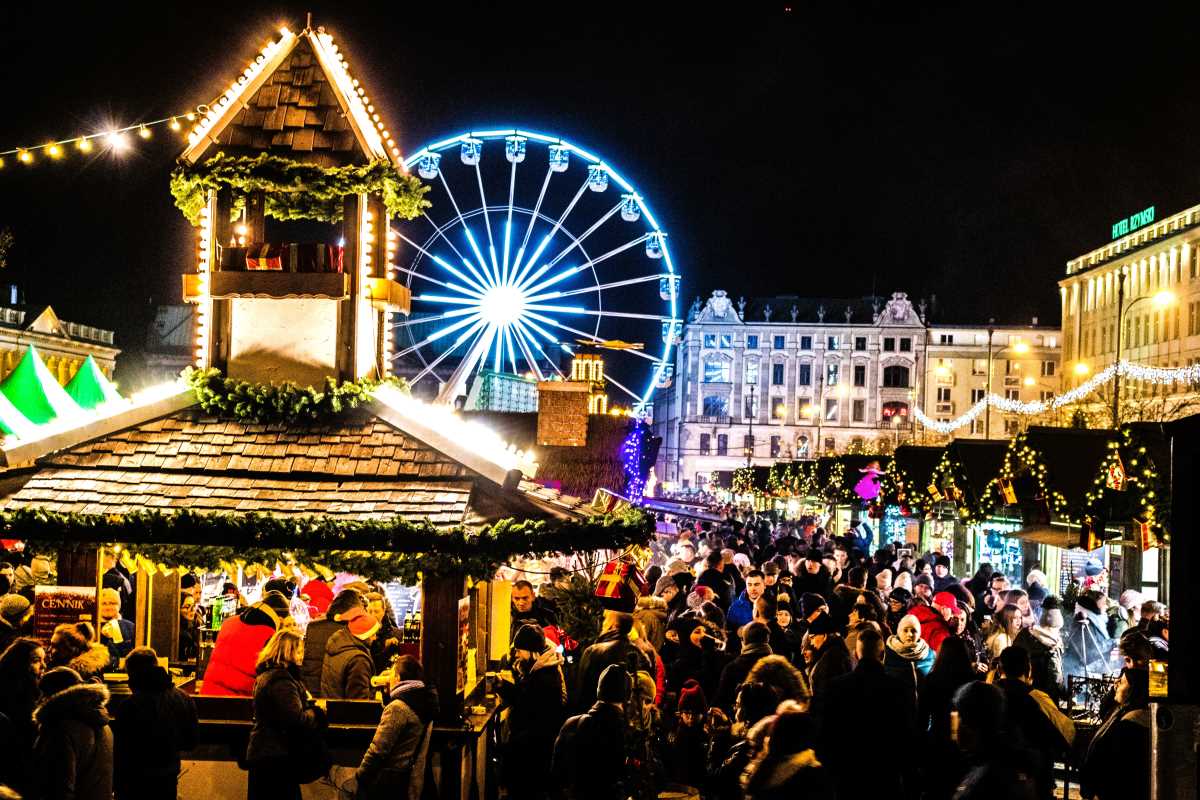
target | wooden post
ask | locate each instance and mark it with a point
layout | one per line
(221, 323)
(353, 207)
(439, 640)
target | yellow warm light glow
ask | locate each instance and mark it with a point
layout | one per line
(84, 144)
(144, 132)
(54, 151)
(807, 412)
(941, 371)
(25, 157)
(1082, 368)
(1029, 381)
(1164, 298)
(841, 391)
(1020, 347)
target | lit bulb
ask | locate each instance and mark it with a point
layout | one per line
(84, 144)
(175, 124)
(54, 151)
(191, 116)
(25, 157)
(144, 132)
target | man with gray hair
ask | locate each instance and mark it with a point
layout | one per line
(115, 633)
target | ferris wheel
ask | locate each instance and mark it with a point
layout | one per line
(533, 248)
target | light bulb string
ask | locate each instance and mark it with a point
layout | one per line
(1140, 372)
(198, 111)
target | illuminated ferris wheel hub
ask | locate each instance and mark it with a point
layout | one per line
(512, 278)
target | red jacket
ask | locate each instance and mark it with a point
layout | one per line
(934, 628)
(231, 666)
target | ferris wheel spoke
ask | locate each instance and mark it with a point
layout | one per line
(438, 334)
(524, 327)
(596, 313)
(532, 219)
(438, 230)
(576, 242)
(470, 238)
(441, 298)
(589, 263)
(557, 224)
(622, 387)
(512, 187)
(523, 343)
(479, 287)
(487, 224)
(448, 285)
(599, 287)
(462, 338)
(508, 344)
(458, 312)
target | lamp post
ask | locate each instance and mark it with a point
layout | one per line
(1020, 348)
(1161, 300)
(750, 437)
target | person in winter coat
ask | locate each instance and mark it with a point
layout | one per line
(742, 609)
(1000, 769)
(831, 660)
(651, 612)
(942, 579)
(1088, 647)
(116, 632)
(152, 727)
(713, 576)
(21, 666)
(1033, 716)
(611, 647)
(73, 751)
(907, 657)
(687, 744)
(589, 753)
(866, 693)
(694, 654)
(789, 632)
(897, 606)
(754, 647)
(813, 577)
(233, 663)
(283, 713)
(933, 618)
(15, 613)
(788, 768)
(1117, 764)
(1044, 643)
(946, 764)
(393, 768)
(732, 746)
(537, 702)
(347, 670)
(316, 636)
(74, 645)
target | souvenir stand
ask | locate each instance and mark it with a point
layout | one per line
(963, 474)
(244, 467)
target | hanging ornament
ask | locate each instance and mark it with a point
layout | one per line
(1114, 476)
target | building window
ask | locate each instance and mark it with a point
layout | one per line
(751, 341)
(860, 343)
(858, 411)
(802, 447)
(1047, 396)
(806, 343)
(705, 443)
(832, 342)
(750, 371)
(1012, 394)
(710, 340)
(779, 343)
(906, 345)
(830, 445)
(725, 341)
(889, 344)
(831, 409)
(716, 370)
(977, 426)
(722, 444)
(804, 409)
(946, 338)
(750, 406)
(860, 374)
(895, 377)
(943, 394)
(777, 374)
(1010, 427)
(716, 405)
(748, 445)
(894, 411)
(778, 408)
(1048, 368)
(831, 374)
(977, 395)
(775, 447)
(805, 376)
(979, 366)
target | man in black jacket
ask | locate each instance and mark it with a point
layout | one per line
(589, 753)
(1040, 726)
(152, 727)
(318, 633)
(813, 577)
(536, 702)
(611, 647)
(755, 646)
(844, 711)
(714, 578)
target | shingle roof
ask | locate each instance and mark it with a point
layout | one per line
(119, 491)
(357, 445)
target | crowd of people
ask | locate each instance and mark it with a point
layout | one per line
(774, 660)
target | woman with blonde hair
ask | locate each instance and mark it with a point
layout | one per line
(1007, 625)
(286, 746)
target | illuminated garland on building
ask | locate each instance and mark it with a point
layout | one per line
(631, 463)
(1138, 372)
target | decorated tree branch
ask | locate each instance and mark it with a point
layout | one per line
(286, 402)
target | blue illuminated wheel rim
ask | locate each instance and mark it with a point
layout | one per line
(513, 278)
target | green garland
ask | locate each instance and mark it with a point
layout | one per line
(394, 549)
(284, 403)
(295, 189)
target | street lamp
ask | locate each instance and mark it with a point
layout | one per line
(1161, 300)
(1018, 347)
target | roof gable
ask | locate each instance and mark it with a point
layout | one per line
(47, 322)
(297, 97)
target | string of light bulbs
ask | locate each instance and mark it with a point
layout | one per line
(1138, 372)
(116, 139)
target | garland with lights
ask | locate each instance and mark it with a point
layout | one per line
(285, 403)
(1126, 369)
(632, 455)
(295, 189)
(393, 549)
(115, 139)
(743, 480)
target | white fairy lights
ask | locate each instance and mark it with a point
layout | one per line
(1160, 376)
(203, 276)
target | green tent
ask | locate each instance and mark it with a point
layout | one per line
(90, 389)
(35, 393)
(13, 421)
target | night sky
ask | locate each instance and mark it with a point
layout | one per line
(834, 152)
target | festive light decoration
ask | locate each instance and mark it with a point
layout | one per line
(631, 463)
(115, 138)
(1138, 372)
(284, 402)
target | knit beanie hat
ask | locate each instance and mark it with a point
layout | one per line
(361, 624)
(699, 596)
(319, 596)
(822, 624)
(945, 600)
(810, 602)
(58, 679)
(278, 603)
(663, 583)
(923, 580)
(614, 685)
(530, 637)
(813, 554)
(900, 595)
(1092, 568)
(942, 561)
(13, 608)
(691, 697)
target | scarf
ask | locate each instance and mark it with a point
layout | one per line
(912, 652)
(1047, 636)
